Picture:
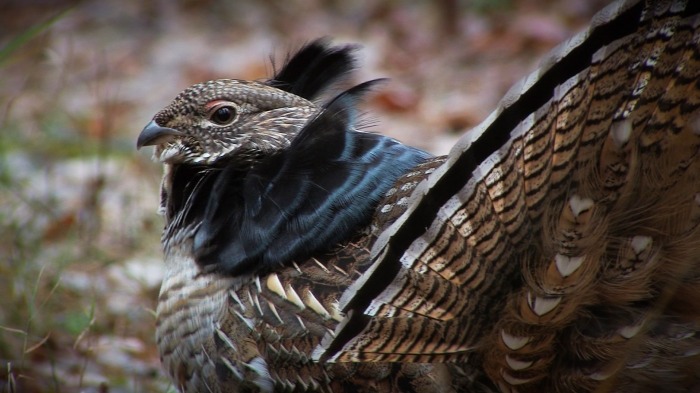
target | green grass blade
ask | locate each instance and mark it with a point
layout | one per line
(27, 35)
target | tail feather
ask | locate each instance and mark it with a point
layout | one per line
(586, 207)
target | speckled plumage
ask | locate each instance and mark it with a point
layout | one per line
(555, 249)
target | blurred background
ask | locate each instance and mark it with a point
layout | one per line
(80, 262)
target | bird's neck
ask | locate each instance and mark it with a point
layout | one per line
(186, 187)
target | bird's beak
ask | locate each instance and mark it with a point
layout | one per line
(154, 134)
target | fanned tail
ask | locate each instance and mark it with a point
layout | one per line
(562, 233)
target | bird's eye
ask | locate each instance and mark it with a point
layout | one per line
(223, 115)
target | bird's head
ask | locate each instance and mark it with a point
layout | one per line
(225, 119)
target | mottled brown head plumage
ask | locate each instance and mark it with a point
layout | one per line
(226, 118)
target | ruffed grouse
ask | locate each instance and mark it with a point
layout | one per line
(556, 248)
